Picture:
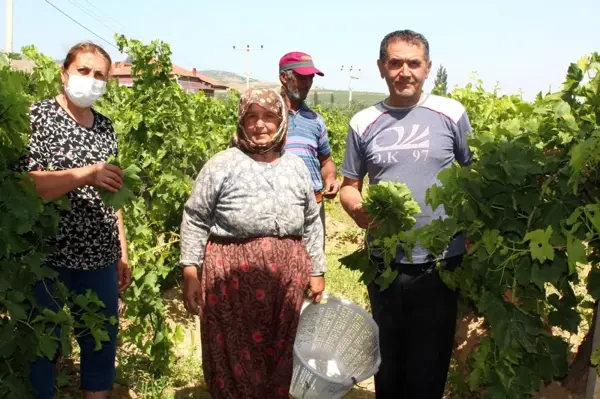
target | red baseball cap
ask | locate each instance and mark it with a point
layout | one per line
(298, 62)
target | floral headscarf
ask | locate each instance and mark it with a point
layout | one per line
(272, 101)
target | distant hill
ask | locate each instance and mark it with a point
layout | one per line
(234, 80)
(323, 96)
(225, 75)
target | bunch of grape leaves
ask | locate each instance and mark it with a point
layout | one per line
(393, 211)
(128, 192)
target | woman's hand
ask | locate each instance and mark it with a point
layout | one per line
(468, 245)
(123, 274)
(317, 286)
(191, 290)
(105, 175)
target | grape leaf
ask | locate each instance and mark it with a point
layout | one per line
(539, 244)
(126, 194)
(576, 252)
(48, 345)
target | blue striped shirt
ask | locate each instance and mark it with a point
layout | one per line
(307, 138)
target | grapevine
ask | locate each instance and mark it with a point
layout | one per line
(529, 204)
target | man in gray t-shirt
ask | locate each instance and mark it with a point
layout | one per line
(409, 138)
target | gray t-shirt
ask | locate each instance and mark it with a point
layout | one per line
(410, 145)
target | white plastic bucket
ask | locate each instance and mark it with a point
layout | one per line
(336, 347)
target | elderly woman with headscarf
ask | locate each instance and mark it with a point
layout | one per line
(251, 231)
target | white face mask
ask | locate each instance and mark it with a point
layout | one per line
(84, 91)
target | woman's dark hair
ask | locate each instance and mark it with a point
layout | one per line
(85, 47)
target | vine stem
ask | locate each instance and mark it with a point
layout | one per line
(9, 366)
(26, 324)
(514, 289)
(530, 218)
(158, 247)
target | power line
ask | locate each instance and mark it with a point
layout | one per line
(107, 16)
(96, 16)
(78, 23)
(93, 15)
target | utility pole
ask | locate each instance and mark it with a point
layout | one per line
(9, 26)
(247, 50)
(350, 77)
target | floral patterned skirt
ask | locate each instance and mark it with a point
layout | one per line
(252, 294)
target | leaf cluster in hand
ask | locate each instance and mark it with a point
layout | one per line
(393, 210)
(128, 191)
(392, 205)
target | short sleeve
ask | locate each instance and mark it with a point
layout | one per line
(354, 166)
(115, 144)
(37, 155)
(323, 147)
(462, 152)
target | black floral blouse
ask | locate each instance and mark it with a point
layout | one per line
(88, 236)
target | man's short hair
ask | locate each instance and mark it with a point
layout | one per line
(407, 36)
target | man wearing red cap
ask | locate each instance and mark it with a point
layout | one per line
(307, 134)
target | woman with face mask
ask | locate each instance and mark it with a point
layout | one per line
(69, 146)
(251, 244)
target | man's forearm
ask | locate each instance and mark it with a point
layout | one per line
(349, 198)
(328, 170)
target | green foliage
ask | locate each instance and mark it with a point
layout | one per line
(392, 205)
(45, 80)
(169, 134)
(337, 121)
(529, 202)
(14, 107)
(441, 82)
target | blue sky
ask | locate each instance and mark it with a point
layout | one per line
(525, 44)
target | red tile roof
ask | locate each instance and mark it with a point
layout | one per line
(23, 65)
(194, 86)
(121, 69)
